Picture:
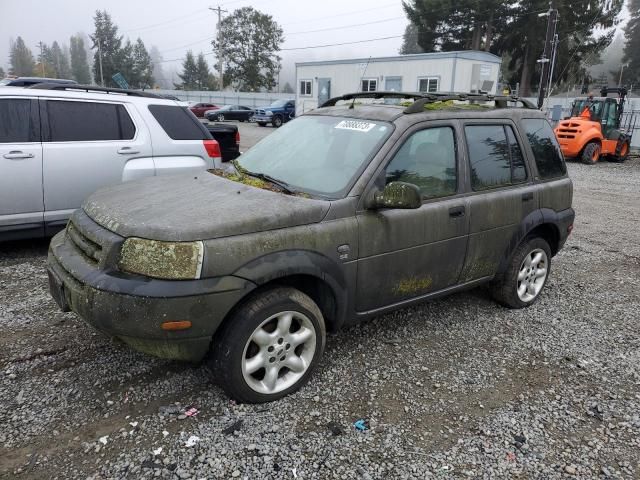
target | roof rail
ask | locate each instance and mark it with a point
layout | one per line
(92, 88)
(422, 99)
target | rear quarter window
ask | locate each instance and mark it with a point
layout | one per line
(179, 123)
(546, 150)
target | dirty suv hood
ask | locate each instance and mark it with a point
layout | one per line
(197, 207)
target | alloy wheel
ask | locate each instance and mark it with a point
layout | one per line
(532, 275)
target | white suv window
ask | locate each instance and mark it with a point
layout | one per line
(88, 121)
(15, 121)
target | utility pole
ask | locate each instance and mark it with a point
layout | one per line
(219, 33)
(622, 70)
(553, 64)
(552, 21)
(41, 45)
(100, 59)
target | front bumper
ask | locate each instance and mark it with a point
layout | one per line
(132, 308)
(263, 118)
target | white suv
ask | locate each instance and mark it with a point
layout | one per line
(60, 143)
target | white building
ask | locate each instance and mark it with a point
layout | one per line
(464, 71)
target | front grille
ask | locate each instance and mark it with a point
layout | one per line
(259, 112)
(89, 249)
(567, 130)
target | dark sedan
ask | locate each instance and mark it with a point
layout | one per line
(230, 112)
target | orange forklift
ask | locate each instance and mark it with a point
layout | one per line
(593, 131)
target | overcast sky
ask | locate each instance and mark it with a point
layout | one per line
(175, 27)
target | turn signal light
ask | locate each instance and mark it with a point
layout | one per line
(177, 325)
(213, 148)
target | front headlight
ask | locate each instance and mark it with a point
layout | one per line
(269, 113)
(167, 260)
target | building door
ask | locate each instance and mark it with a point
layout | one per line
(393, 84)
(324, 90)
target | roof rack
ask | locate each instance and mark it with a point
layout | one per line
(92, 88)
(422, 99)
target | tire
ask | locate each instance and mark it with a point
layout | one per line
(220, 117)
(277, 121)
(507, 287)
(622, 152)
(262, 124)
(591, 153)
(258, 330)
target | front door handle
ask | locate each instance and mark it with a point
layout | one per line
(17, 155)
(527, 196)
(127, 151)
(456, 212)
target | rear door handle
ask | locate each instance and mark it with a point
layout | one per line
(527, 196)
(456, 212)
(127, 151)
(17, 155)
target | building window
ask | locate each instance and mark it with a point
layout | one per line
(429, 84)
(369, 85)
(305, 88)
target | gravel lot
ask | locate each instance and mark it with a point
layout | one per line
(457, 388)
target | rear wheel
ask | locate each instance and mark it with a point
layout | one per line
(520, 284)
(269, 346)
(591, 153)
(622, 152)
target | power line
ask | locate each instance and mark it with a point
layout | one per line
(347, 26)
(340, 44)
(175, 19)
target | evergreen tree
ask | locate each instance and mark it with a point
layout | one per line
(45, 66)
(287, 88)
(189, 75)
(2, 74)
(125, 64)
(631, 73)
(158, 73)
(106, 40)
(79, 65)
(142, 66)
(203, 75)
(251, 41)
(410, 41)
(60, 61)
(20, 59)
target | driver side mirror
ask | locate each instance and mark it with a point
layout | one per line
(398, 195)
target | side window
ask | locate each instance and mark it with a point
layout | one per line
(15, 121)
(428, 160)
(495, 157)
(179, 123)
(546, 150)
(88, 121)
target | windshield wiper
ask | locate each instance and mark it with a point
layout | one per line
(286, 188)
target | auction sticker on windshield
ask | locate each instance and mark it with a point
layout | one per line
(355, 125)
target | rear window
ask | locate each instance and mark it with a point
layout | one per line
(546, 150)
(88, 121)
(179, 123)
(15, 121)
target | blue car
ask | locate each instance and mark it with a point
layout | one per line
(279, 112)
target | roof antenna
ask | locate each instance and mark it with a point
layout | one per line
(366, 65)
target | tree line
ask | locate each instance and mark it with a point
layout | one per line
(516, 32)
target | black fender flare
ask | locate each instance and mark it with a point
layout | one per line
(274, 266)
(543, 216)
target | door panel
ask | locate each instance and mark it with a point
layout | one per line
(74, 169)
(324, 90)
(408, 253)
(21, 200)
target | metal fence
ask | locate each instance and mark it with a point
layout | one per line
(249, 99)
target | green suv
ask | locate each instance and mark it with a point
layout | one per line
(347, 212)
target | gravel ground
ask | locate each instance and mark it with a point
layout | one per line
(456, 388)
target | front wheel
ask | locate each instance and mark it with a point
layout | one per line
(522, 282)
(220, 117)
(268, 348)
(591, 153)
(277, 122)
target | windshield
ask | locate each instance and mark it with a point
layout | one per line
(5, 81)
(316, 154)
(595, 106)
